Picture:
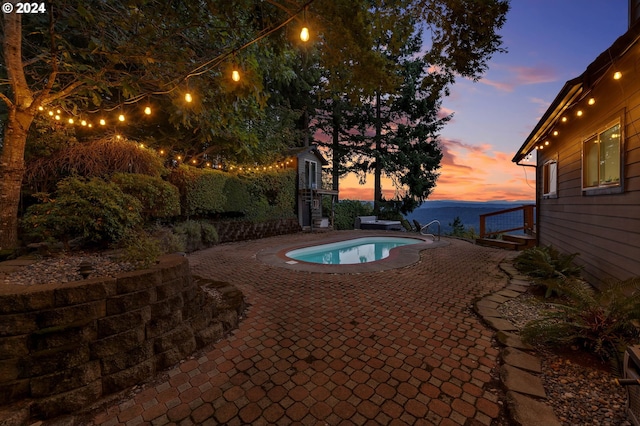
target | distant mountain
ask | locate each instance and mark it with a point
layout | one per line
(469, 212)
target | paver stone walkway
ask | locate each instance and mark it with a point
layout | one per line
(395, 347)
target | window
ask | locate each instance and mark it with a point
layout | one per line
(601, 159)
(550, 178)
(310, 172)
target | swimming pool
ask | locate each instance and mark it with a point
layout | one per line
(349, 252)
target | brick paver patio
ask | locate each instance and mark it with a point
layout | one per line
(395, 347)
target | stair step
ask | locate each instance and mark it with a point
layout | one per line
(526, 241)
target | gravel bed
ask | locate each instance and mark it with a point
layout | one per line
(64, 269)
(579, 388)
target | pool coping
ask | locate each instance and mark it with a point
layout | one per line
(399, 257)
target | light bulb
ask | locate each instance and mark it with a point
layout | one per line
(102, 122)
(147, 110)
(57, 117)
(71, 121)
(235, 75)
(188, 97)
(83, 122)
(617, 75)
(121, 117)
(40, 108)
(51, 113)
(304, 34)
(592, 101)
(579, 113)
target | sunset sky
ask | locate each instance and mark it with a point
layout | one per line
(549, 42)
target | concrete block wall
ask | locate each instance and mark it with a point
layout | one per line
(64, 346)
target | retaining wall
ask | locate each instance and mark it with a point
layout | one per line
(64, 346)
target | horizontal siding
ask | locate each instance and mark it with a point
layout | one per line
(604, 228)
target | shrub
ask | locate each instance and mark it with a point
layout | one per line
(196, 234)
(549, 268)
(346, 211)
(140, 248)
(159, 198)
(272, 196)
(201, 190)
(95, 210)
(599, 321)
(98, 158)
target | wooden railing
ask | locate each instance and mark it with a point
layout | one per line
(528, 221)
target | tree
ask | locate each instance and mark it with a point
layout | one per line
(103, 56)
(396, 126)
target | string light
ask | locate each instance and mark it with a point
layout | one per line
(147, 110)
(188, 97)
(102, 122)
(304, 34)
(121, 118)
(591, 101)
(235, 75)
(617, 75)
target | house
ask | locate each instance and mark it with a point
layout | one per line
(308, 163)
(587, 150)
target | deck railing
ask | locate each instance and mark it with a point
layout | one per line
(508, 220)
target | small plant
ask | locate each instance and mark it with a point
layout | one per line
(548, 267)
(140, 248)
(599, 321)
(196, 235)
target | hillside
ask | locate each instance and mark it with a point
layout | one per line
(468, 211)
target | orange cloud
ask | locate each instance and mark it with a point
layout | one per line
(468, 172)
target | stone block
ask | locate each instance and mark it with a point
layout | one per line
(67, 402)
(26, 301)
(16, 324)
(512, 340)
(115, 324)
(486, 303)
(161, 325)
(64, 335)
(167, 359)
(166, 307)
(123, 360)
(176, 268)
(497, 298)
(118, 343)
(526, 411)
(131, 282)
(522, 360)
(500, 324)
(178, 337)
(79, 292)
(52, 360)
(76, 314)
(126, 378)
(9, 369)
(14, 346)
(508, 293)
(169, 289)
(130, 301)
(228, 318)
(16, 390)
(520, 381)
(209, 335)
(65, 380)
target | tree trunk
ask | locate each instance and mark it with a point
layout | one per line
(21, 113)
(11, 174)
(335, 146)
(377, 184)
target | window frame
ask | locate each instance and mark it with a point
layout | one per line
(552, 184)
(311, 170)
(604, 188)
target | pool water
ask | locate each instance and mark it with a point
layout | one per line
(349, 252)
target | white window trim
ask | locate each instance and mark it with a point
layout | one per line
(550, 167)
(611, 187)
